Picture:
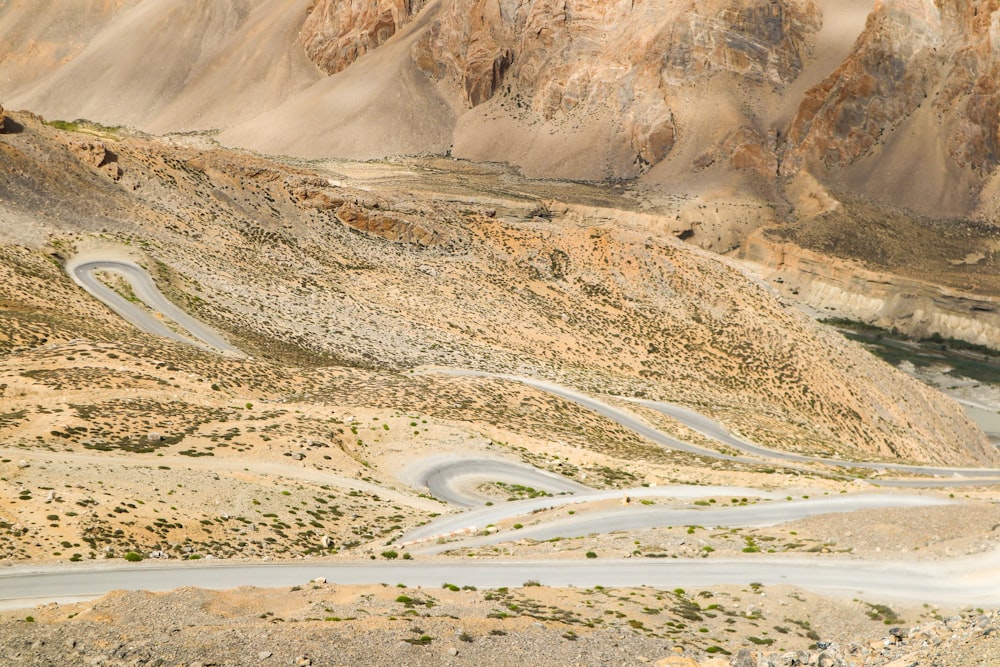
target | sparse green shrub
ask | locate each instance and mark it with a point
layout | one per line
(422, 640)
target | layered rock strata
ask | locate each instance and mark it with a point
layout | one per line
(843, 288)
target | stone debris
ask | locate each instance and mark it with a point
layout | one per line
(967, 640)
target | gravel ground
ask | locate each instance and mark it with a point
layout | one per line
(320, 624)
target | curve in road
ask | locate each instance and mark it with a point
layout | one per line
(640, 517)
(450, 480)
(716, 431)
(82, 271)
(712, 429)
(477, 518)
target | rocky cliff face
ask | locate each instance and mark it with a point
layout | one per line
(338, 32)
(919, 86)
(747, 90)
(554, 57)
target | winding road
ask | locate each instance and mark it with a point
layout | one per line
(640, 517)
(973, 580)
(82, 271)
(712, 429)
(484, 516)
(450, 480)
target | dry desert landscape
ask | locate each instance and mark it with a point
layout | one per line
(499, 332)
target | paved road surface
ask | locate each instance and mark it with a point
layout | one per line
(973, 581)
(451, 480)
(640, 517)
(714, 430)
(480, 518)
(144, 288)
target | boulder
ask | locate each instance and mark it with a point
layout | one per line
(97, 155)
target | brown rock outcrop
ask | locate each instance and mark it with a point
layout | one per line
(919, 87)
(3, 119)
(97, 155)
(884, 80)
(619, 58)
(745, 149)
(338, 32)
(395, 228)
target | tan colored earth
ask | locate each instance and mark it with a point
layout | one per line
(346, 283)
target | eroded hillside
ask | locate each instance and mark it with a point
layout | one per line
(292, 264)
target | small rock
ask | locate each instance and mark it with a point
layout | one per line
(826, 660)
(453, 651)
(264, 655)
(23, 464)
(154, 437)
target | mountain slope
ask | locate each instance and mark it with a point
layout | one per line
(293, 265)
(163, 65)
(915, 102)
(722, 93)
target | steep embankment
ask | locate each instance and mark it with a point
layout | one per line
(844, 288)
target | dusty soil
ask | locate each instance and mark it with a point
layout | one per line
(322, 624)
(342, 286)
